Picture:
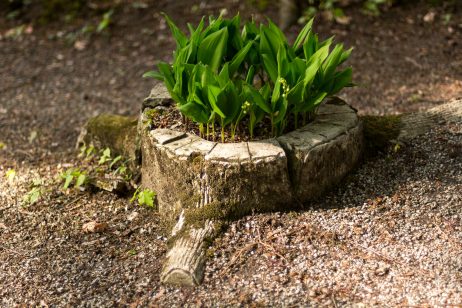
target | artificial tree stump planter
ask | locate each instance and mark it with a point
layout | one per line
(200, 183)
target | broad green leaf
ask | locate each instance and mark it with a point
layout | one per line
(319, 98)
(178, 88)
(345, 55)
(310, 72)
(265, 91)
(198, 100)
(269, 42)
(270, 67)
(238, 58)
(332, 61)
(327, 42)
(179, 36)
(322, 53)
(250, 31)
(213, 48)
(229, 103)
(342, 79)
(195, 112)
(302, 36)
(310, 46)
(255, 97)
(277, 32)
(298, 67)
(195, 41)
(283, 64)
(213, 94)
(235, 41)
(166, 71)
(250, 75)
(313, 102)
(153, 74)
(295, 96)
(223, 77)
(276, 94)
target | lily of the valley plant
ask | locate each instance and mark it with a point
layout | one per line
(227, 75)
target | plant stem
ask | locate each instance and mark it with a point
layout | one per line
(213, 130)
(222, 133)
(232, 131)
(201, 130)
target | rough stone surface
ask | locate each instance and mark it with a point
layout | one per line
(188, 172)
(185, 260)
(415, 124)
(200, 183)
(119, 133)
(159, 96)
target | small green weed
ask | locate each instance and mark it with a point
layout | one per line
(74, 175)
(105, 21)
(35, 193)
(144, 197)
(105, 156)
(10, 175)
(87, 152)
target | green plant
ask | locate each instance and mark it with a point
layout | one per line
(105, 156)
(222, 75)
(105, 21)
(75, 175)
(335, 11)
(10, 175)
(35, 193)
(144, 197)
(373, 6)
(87, 152)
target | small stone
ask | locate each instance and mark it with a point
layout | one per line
(132, 216)
(429, 17)
(94, 227)
(382, 270)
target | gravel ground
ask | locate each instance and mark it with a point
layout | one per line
(390, 235)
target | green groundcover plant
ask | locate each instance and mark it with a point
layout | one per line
(238, 77)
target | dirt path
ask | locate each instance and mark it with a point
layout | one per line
(390, 236)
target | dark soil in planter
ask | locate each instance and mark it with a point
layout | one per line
(170, 117)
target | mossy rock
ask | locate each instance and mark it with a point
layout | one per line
(380, 132)
(118, 133)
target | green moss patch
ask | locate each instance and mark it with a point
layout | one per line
(379, 131)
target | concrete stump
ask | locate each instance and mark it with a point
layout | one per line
(200, 183)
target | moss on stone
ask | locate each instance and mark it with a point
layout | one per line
(119, 133)
(379, 131)
(112, 129)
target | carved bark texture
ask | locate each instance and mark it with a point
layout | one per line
(415, 124)
(185, 260)
(199, 182)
